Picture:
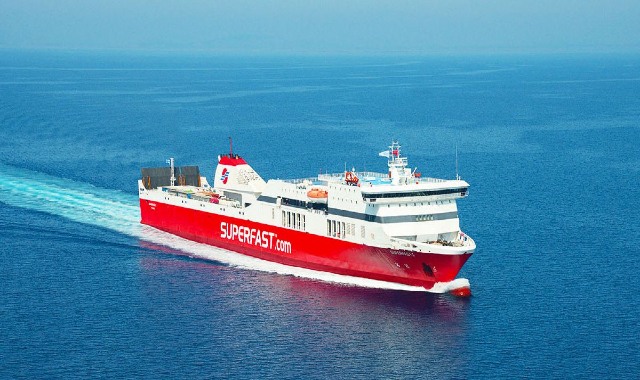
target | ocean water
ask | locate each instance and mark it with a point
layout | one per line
(549, 145)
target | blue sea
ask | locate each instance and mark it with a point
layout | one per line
(549, 144)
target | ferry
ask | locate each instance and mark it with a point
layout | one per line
(397, 227)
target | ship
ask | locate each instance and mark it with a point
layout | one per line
(396, 226)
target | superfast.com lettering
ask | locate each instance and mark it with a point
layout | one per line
(253, 236)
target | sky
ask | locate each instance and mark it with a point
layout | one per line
(329, 27)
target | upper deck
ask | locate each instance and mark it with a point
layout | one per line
(374, 185)
(237, 181)
(399, 182)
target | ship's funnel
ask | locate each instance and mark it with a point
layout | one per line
(233, 173)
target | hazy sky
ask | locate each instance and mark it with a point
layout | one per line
(324, 27)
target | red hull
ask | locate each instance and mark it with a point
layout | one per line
(302, 249)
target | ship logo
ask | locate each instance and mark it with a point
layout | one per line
(225, 176)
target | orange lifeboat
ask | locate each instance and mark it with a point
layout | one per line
(318, 195)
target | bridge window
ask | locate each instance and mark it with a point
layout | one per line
(461, 190)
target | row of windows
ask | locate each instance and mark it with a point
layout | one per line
(294, 202)
(448, 201)
(294, 220)
(424, 193)
(303, 204)
(341, 229)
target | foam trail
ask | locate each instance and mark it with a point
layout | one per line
(119, 211)
(76, 201)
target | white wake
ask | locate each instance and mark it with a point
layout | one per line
(119, 211)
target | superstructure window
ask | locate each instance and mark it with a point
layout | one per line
(461, 190)
(341, 229)
(294, 220)
(294, 202)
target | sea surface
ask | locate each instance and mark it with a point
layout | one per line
(549, 144)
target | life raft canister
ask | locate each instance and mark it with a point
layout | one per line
(351, 178)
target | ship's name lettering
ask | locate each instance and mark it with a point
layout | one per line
(402, 253)
(253, 236)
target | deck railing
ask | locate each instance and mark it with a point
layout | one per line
(363, 176)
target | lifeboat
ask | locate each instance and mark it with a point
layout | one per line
(318, 195)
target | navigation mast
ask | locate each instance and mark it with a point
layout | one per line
(173, 173)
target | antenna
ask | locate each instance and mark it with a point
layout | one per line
(457, 176)
(230, 147)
